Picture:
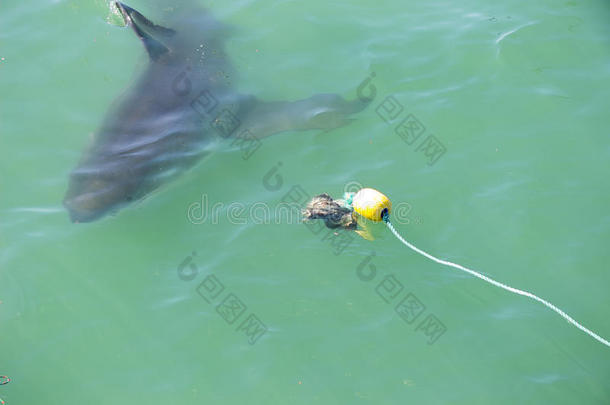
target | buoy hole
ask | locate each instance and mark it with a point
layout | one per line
(384, 212)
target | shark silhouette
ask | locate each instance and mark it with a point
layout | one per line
(167, 121)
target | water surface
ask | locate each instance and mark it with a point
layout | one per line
(515, 93)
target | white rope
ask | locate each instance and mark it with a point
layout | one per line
(498, 284)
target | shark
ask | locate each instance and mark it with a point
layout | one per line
(167, 119)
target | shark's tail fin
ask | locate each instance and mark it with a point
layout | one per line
(152, 35)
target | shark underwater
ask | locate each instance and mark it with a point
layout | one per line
(166, 121)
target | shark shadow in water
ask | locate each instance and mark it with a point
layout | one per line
(166, 122)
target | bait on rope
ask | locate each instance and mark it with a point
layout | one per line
(357, 210)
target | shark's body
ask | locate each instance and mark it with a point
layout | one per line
(163, 125)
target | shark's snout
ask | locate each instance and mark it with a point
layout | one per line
(94, 193)
(79, 210)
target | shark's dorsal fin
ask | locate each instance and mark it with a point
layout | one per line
(151, 35)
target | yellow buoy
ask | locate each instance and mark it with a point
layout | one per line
(371, 204)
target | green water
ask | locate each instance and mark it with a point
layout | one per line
(516, 94)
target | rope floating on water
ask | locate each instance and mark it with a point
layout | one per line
(372, 205)
(496, 283)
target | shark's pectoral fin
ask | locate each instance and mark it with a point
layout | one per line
(151, 35)
(327, 111)
(322, 111)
